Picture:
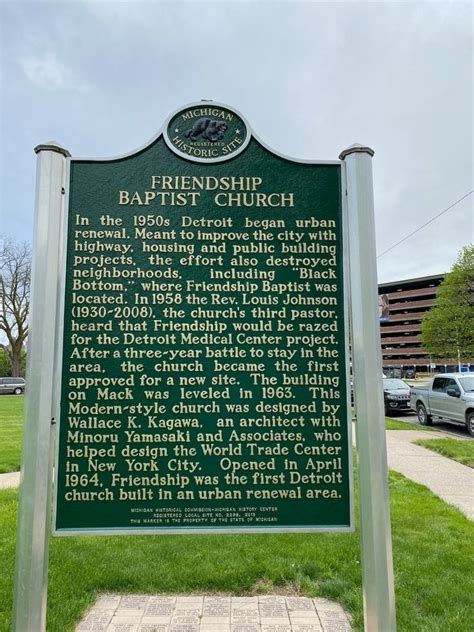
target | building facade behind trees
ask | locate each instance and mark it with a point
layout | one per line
(404, 303)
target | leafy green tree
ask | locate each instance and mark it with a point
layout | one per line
(447, 330)
(5, 364)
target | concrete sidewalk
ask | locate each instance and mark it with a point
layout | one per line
(448, 479)
(198, 613)
(12, 479)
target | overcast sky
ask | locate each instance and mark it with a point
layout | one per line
(311, 78)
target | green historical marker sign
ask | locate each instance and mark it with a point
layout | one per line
(204, 343)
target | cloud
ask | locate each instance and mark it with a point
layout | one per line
(310, 77)
(45, 72)
(48, 73)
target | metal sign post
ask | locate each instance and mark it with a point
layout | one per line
(29, 609)
(376, 543)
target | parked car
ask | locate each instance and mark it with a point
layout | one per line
(12, 385)
(396, 395)
(449, 396)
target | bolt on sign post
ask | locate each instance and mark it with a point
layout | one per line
(201, 368)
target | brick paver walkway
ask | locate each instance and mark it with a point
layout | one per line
(193, 613)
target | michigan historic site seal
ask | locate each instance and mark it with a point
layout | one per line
(206, 132)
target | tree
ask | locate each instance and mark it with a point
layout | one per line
(15, 277)
(447, 330)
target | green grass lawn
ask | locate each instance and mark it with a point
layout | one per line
(459, 450)
(432, 545)
(11, 428)
(394, 424)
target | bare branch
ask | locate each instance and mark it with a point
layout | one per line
(15, 279)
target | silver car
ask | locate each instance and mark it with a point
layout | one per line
(12, 385)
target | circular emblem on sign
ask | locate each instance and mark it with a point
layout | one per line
(206, 132)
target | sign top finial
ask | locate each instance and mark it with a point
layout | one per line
(52, 145)
(356, 148)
